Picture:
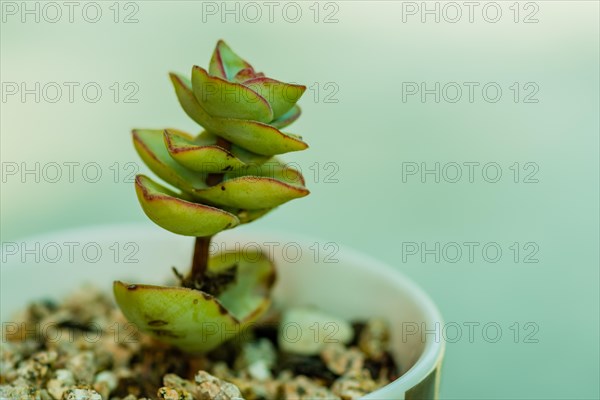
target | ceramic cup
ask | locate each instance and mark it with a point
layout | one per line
(338, 280)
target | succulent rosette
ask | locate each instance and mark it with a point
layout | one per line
(224, 176)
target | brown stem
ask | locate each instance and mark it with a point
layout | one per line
(200, 260)
(224, 143)
(201, 248)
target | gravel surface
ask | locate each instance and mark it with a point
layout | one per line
(84, 349)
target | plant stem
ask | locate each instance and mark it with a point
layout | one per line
(200, 259)
(201, 248)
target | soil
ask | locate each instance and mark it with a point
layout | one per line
(84, 349)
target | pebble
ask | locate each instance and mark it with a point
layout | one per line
(260, 350)
(354, 386)
(253, 390)
(374, 339)
(212, 388)
(259, 370)
(342, 360)
(18, 392)
(36, 368)
(105, 382)
(81, 394)
(306, 330)
(58, 386)
(302, 388)
(174, 394)
(258, 357)
(83, 367)
(108, 377)
(175, 382)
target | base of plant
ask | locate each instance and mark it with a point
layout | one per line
(83, 348)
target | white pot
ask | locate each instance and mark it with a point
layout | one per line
(338, 280)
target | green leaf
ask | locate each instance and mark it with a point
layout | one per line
(191, 320)
(224, 63)
(247, 74)
(287, 118)
(264, 189)
(205, 159)
(253, 136)
(257, 137)
(248, 157)
(225, 99)
(203, 154)
(150, 145)
(280, 95)
(179, 216)
(188, 101)
(271, 169)
(254, 279)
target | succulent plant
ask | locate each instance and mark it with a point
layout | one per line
(224, 176)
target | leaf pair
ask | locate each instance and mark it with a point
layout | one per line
(253, 135)
(255, 96)
(193, 320)
(252, 186)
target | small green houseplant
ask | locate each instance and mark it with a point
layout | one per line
(225, 176)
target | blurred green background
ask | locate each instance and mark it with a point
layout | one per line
(359, 59)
